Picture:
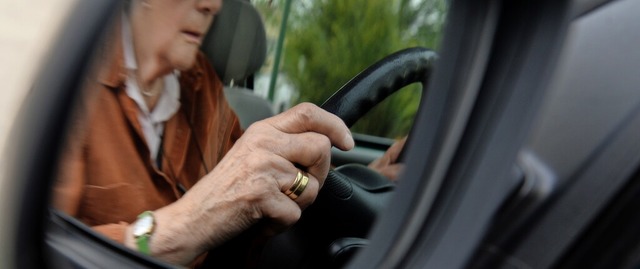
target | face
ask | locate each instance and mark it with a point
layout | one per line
(171, 31)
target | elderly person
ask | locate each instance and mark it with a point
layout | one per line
(156, 160)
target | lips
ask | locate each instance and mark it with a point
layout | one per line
(193, 36)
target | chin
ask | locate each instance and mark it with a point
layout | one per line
(185, 63)
(184, 60)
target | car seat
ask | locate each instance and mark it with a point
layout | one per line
(236, 47)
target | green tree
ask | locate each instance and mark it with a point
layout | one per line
(330, 41)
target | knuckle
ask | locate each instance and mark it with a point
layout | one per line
(307, 107)
(259, 140)
(305, 112)
(256, 127)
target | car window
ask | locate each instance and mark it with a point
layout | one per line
(311, 54)
(323, 44)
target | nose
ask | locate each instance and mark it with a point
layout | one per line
(209, 6)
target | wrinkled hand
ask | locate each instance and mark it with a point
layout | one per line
(387, 164)
(247, 185)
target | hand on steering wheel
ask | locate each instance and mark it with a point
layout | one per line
(353, 195)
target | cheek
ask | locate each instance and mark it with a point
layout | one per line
(173, 49)
(165, 38)
(176, 50)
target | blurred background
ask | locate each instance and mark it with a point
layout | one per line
(23, 42)
(319, 51)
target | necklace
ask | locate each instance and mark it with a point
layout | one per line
(147, 92)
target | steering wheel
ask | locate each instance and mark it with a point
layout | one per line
(332, 229)
(335, 226)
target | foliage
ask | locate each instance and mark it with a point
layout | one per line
(330, 41)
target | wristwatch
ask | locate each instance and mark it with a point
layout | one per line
(142, 231)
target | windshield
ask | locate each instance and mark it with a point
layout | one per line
(315, 47)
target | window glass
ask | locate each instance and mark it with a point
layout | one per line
(327, 42)
(134, 145)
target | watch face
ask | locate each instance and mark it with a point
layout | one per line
(143, 226)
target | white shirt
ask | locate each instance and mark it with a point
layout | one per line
(152, 122)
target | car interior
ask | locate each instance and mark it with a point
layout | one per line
(523, 153)
(236, 46)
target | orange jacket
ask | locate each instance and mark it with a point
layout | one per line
(106, 177)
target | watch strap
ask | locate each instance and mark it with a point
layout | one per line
(143, 243)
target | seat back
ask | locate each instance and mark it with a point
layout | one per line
(236, 47)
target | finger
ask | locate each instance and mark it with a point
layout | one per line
(311, 151)
(285, 210)
(310, 193)
(307, 117)
(289, 182)
(395, 149)
(303, 189)
(392, 171)
(287, 178)
(282, 211)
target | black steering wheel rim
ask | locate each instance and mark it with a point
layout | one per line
(378, 81)
(354, 193)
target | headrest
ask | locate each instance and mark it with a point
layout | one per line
(236, 43)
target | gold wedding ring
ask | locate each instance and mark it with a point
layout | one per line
(298, 186)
